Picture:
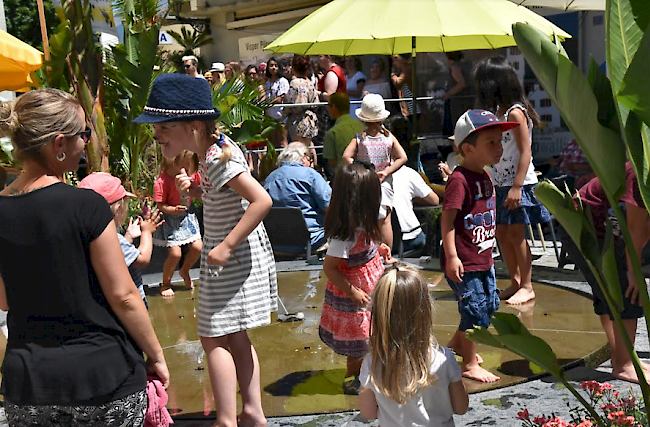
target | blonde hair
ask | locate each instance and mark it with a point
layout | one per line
(166, 163)
(402, 340)
(210, 129)
(36, 118)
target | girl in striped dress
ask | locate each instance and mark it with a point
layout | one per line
(353, 265)
(238, 288)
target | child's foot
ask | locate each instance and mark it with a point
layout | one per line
(508, 292)
(522, 296)
(185, 275)
(166, 291)
(251, 420)
(479, 374)
(627, 373)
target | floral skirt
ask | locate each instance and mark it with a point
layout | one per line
(531, 211)
(344, 326)
(177, 230)
(125, 412)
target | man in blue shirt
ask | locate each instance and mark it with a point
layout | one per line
(296, 184)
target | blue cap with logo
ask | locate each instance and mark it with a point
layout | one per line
(474, 120)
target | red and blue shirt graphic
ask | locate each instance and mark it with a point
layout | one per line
(473, 195)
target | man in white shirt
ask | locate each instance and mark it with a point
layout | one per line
(408, 184)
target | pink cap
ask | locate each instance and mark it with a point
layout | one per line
(106, 185)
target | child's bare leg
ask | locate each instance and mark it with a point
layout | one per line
(353, 366)
(173, 257)
(622, 367)
(223, 378)
(192, 256)
(524, 263)
(455, 345)
(248, 377)
(470, 367)
(510, 258)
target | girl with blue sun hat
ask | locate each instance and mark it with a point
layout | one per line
(238, 286)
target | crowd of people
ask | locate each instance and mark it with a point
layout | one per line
(79, 329)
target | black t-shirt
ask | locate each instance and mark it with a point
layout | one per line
(65, 344)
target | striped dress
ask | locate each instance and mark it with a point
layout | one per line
(241, 294)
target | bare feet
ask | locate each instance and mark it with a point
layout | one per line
(185, 275)
(479, 374)
(250, 420)
(510, 291)
(523, 295)
(166, 291)
(627, 372)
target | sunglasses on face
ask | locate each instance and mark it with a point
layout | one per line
(85, 134)
(187, 66)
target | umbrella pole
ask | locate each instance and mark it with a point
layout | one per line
(414, 85)
(41, 16)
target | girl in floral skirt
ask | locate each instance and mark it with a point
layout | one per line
(353, 265)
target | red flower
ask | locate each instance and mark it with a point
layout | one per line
(523, 415)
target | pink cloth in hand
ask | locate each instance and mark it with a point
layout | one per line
(157, 414)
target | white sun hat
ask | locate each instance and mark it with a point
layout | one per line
(372, 109)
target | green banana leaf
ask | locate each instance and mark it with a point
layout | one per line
(573, 96)
(512, 335)
(627, 21)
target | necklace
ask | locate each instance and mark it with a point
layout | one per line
(16, 192)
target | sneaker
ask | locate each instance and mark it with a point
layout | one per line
(351, 385)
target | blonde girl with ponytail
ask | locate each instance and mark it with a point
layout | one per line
(237, 286)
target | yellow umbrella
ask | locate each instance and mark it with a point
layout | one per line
(387, 27)
(17, 61)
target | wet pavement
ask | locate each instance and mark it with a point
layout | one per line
(302, 376)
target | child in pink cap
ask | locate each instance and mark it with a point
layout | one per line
(113, 191)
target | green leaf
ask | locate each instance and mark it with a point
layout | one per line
(609, 268)
(483, 336)
(602, 89)
(626, 22)
(571, 93)
(508, 324)
(534, 349)
(634, 90)
(562, 207)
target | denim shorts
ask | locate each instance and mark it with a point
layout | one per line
(477, 298)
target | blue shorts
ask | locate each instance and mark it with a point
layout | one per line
(477, 298)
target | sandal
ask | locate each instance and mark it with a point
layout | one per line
(351, 386)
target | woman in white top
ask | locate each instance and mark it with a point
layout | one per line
(378, 82)
(355, 81)
(276, 87)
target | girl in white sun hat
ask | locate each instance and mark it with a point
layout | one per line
(377, 146)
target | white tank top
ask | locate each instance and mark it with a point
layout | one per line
(506, 169)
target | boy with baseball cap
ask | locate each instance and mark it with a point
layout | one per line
(113, 191)
(468, 230)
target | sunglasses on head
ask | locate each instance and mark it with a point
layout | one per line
(85, 134)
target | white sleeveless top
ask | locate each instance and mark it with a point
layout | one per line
(506, 169)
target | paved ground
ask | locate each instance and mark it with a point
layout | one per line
(497, 407)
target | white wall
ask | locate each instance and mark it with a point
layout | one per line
(593, 32)
(226, 42)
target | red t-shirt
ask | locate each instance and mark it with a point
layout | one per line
(342, 87)
(475, 224)
(593, 196)
(164, 189)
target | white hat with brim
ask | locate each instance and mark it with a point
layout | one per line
(372, 109)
